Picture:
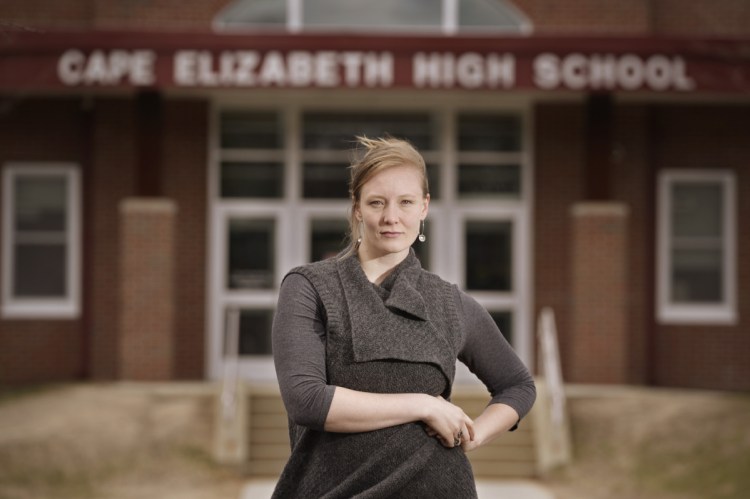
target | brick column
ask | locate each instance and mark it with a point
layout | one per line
(599, 293)
(146, 339)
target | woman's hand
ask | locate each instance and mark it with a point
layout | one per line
(470, 445)
(448, 423)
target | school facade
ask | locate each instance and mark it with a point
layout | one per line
(164, 164)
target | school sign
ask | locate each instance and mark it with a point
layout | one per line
(127, 60)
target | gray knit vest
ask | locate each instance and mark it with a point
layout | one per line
(416, 321)
(403, 336)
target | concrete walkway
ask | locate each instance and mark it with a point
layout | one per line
(506, 489)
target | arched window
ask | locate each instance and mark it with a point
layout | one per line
(244, 14)
(444, 16)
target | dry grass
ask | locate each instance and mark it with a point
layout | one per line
(114, 441)
(661, 444)
(127, 441)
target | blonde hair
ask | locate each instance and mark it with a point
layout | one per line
(375, 156)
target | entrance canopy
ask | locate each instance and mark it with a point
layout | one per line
(126, 60)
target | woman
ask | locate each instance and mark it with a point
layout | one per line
(365, 346)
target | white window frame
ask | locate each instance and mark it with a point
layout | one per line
(669, 312)
(294, 214)
(69, 305)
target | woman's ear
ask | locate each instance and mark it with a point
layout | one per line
(425, 206)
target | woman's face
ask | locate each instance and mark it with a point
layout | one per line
(391, 207)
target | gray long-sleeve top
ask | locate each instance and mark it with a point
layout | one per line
(299, 336)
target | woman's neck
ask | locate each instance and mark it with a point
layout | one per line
(378, 268)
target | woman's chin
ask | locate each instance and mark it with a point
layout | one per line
(384, 248)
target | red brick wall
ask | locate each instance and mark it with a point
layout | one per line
(20, 14)
(157, 14)
(184, 157)
(647, 138)
(185, 160)
(54, 130)
(40, 130)
(708, 136)
(604, 17)
(147, 280)
(599, 284)
(558, 183)
(632, 184)
(636, 17)
(112, 179)
(108, 14)
(727, 18)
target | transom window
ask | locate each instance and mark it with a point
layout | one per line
(392, 15)
(41, 232)
(281, 200)
(696, 247)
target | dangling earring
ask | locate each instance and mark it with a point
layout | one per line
(422, 238)
(361, 230)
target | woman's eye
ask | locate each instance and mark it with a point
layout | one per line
(407, 201)
(376, 203)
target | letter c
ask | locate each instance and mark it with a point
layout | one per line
(70, 67)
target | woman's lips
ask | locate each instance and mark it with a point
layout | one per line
(390, 234)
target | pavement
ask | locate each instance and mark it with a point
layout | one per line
(486, 489)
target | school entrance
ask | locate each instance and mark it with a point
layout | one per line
(278, 198)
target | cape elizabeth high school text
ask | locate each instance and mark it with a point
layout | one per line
(248, 68)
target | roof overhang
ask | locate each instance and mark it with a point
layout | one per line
(91, 60)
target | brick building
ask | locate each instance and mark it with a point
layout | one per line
(164, 163)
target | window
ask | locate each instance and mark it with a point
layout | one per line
(489, 162)
(388, 15)
(247, 331)
(41, 231)
(251, 254)
(328, 138)
(696, 247)
(252, 158)
(504, 321)
(368, 14)
(252, 321)
(327, 238)
(491, 15)
(253, 14)
(488, 256)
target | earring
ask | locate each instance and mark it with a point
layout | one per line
(361, 230)
(422, 238)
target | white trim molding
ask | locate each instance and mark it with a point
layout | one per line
(668, 310)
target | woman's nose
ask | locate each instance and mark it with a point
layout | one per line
(390, 214)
